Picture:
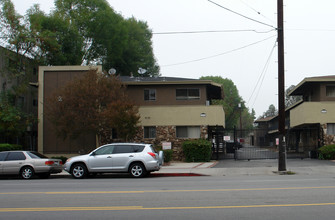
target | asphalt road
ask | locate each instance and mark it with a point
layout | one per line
(206, 197)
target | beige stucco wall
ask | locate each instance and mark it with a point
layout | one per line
(182, 115)
(313, 112)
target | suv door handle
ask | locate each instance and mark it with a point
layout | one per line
(131, 155)
(109, 157)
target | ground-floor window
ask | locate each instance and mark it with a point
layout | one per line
(150, 132)
(188, 131)
(331, 128)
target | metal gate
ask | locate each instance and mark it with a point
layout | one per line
(239, 145)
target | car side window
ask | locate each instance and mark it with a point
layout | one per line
(123, 149)
(3, 156)
(105, 150)
(15, 156)
(138, 148)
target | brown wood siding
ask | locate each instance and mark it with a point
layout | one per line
(165, 94)
(54, 80)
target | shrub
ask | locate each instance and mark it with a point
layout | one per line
(8, 147)
(327, 152)
(197, 150)
(168, 155)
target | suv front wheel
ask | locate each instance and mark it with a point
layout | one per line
(137, 170)
(79, 171)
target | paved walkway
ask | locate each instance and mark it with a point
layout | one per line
(252, 167)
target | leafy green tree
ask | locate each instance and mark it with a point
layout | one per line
(110, 40)
(233, 104)
(13, 121)
(94, 103)
(271, 112)
(16, 71)
(79, 32)
(60, 42)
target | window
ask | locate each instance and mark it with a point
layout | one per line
(330, 91)
(124, 149)
(105, 150)
(150, 94)
(15, 156)
(149, 132)
(331, 129)
(187, 94)
(3, 156)
(188, 132)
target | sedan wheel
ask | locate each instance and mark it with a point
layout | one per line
(27, 172)
(79, 171)
(137, 170)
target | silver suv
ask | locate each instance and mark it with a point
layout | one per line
(136, 159)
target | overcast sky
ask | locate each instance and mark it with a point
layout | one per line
(245, 51)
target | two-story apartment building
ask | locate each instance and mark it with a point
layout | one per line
(171, 110)
(175, 109)
(310, 123)
(314, 118)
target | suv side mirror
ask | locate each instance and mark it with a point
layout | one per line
(93, 154)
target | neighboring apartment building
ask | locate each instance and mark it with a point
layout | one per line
(25, 71)
(171, 110)
(313, 119)
(310, 123)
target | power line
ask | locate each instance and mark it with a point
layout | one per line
(220, 54)
(262, 76)
(241, 14)
(255, 10)
(212, 31)
(301, 29)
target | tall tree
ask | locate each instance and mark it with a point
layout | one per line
(80, 32)
(271, 112)
(60, 42)
(95, 103)
(16, 72)
(110, 40)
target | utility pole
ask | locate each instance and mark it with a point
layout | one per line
(281, 86)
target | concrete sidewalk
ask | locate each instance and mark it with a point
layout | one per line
(252, 167)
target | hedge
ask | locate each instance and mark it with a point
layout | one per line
(327, 152)
(8, 147)
(167, 155)
(199, 150)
